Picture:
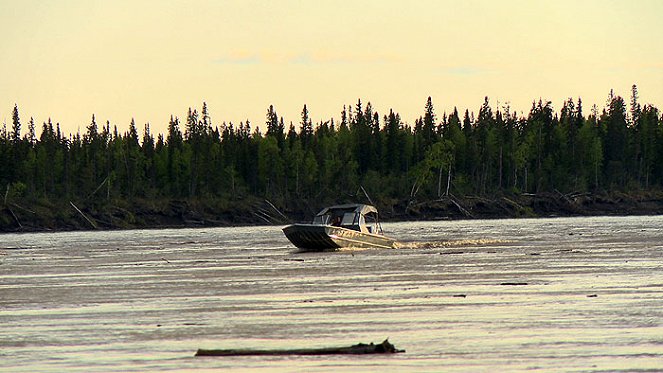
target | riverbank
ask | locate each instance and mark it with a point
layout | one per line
(539, 205)
(43, 215)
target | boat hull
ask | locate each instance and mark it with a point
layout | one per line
(311, 237)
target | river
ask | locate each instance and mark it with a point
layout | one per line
(558, 294)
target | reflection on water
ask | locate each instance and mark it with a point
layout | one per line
(580, 294)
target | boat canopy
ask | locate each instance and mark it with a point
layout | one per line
(357, 208)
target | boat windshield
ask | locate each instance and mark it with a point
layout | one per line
(322, 219)
(336, 217)
(349, 219)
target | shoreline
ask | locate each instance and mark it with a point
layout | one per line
(44, 216)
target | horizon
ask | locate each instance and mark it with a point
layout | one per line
(149, 60)
(123, 128)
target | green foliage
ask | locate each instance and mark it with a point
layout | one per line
(497, 152)
(16, 190)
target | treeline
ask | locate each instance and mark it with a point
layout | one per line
(495, 152)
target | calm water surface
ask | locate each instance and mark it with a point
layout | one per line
(567, 294)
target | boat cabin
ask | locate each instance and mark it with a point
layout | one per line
(358, 217)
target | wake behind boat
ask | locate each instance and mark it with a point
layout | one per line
(351, 225)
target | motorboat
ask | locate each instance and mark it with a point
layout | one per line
(341, 226)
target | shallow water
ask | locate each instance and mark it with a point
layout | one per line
(566, 294)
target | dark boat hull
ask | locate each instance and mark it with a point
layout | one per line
(312, 237)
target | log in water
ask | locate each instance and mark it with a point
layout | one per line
(359, 349)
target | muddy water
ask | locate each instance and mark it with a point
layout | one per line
(579, 294)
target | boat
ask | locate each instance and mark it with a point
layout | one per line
(340, 226)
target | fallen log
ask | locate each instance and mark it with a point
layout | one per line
(278, 211)
(18, 222)
(358, 349)
(83, 215)
(459, 207)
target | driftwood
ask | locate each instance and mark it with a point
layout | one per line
(277, 210)
(358, 349)
(459, 207)
(18, 222)
(262, 215)
(23, 208)
(514, 203)
(11, 212)
(83, 215)
(261, 212)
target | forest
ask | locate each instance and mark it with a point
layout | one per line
(228, 169)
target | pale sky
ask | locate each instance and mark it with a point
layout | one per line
(120, 59)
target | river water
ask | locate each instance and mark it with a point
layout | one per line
(562, 294)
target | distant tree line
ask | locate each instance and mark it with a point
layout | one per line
(496, 151)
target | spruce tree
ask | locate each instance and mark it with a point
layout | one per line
(15, 134)
(306, 129)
